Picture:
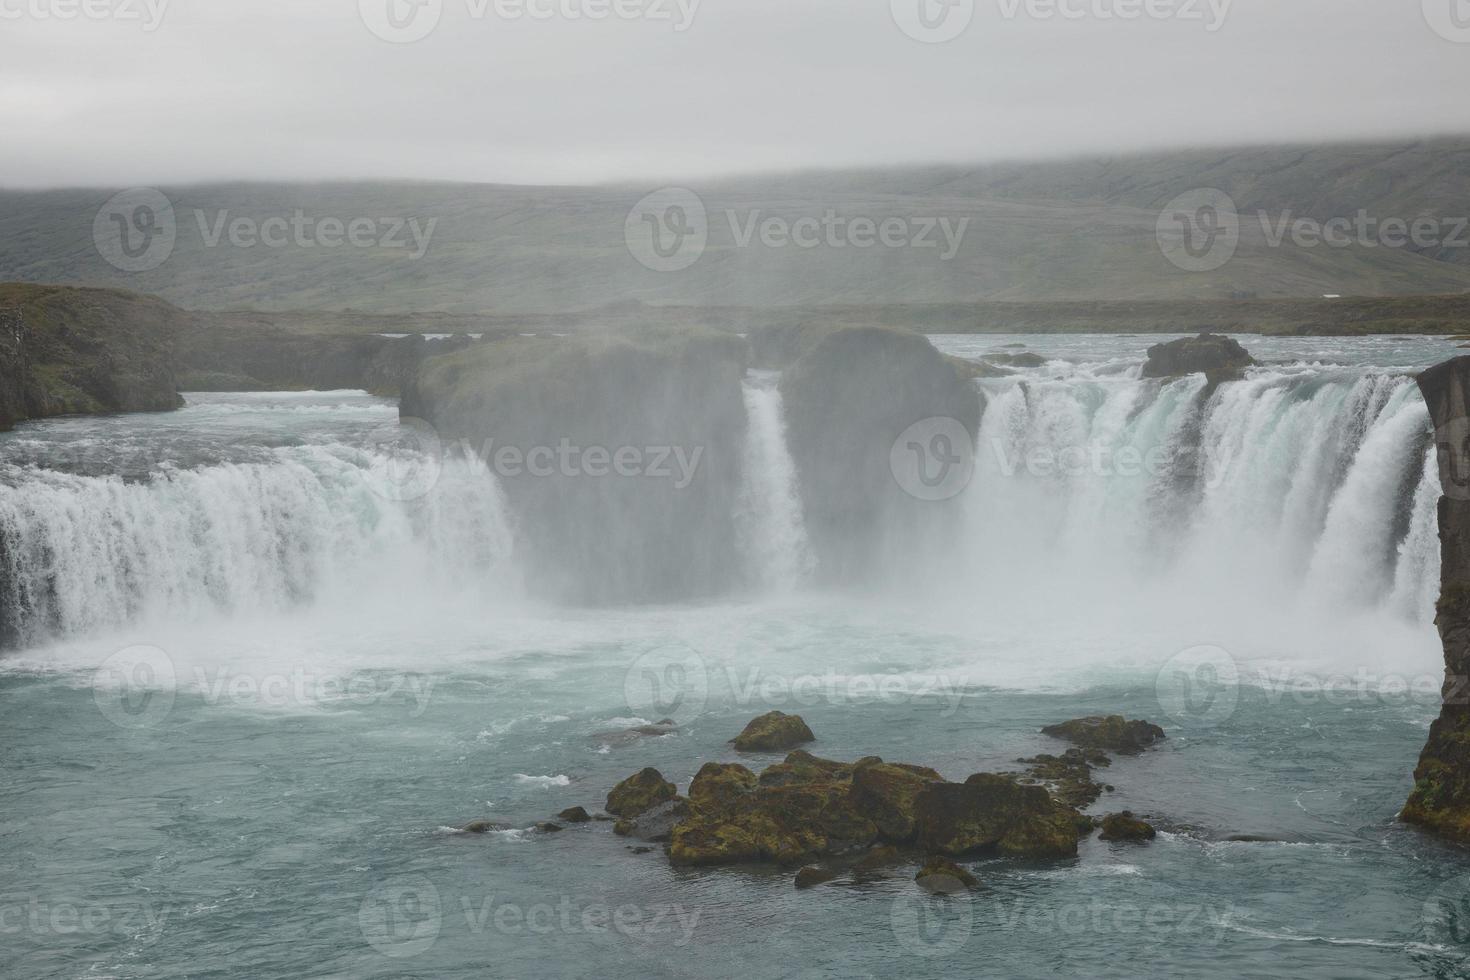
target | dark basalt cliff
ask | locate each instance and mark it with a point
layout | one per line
(1440, 800)
(849, 398)
(538, 408)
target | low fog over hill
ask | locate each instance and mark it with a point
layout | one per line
(1084, 229)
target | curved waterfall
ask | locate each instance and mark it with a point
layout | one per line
(1304, 489)
(1301, 488)
(80, 553)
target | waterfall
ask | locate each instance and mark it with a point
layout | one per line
(82, 553)
(1290, 488)
(772, 535)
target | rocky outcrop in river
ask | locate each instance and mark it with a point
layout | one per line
(620, 455)
(849, 398)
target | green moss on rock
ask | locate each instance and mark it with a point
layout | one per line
(1113, 732)
(639, 792)
(774, 731)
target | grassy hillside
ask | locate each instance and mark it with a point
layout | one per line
(1081, 230)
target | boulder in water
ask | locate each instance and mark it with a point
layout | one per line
(574, 814)
(483, 827)
(991, 813)
(1126, 827)
(639, 792)
(1217, 357)
(1113, 733)
(812, 876)
(773, 731)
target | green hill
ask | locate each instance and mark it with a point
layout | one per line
(1079, 230)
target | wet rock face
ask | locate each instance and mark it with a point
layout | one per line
(774, 731)
(656, 823)
(1112, 733)
(1440, 800)
(990, 813)
(639, 792)
(1126, 827)
(848, 399)
(719, 784)
(1217, 357)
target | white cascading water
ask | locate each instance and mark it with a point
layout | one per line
(1291, 489)
(82, 553)
(770, 527)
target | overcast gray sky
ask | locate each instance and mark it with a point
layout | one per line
(539, 91)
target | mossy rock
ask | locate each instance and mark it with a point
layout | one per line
(1113, 732)
(1126, 827)
(1069, 776)
(888, 794)
(639, 792)
(575, 814)
(803, 767)
(787, 825)
(943, 877)
(720, 784)
(994, 814)
(774, 731)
